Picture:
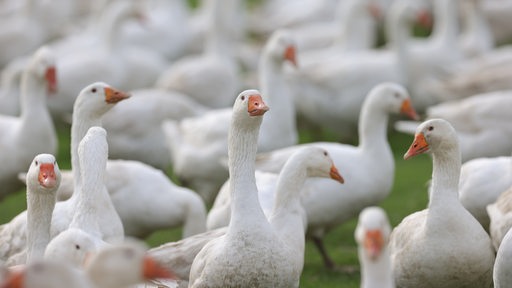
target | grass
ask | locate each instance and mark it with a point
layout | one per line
(408, 195)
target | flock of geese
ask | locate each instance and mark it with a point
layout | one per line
(148, 85)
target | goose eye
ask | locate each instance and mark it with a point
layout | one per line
(430, 128)
(37, 163)
(396, 95)
(77, 247)
(243, 98)
(93, 90)
(325, 153)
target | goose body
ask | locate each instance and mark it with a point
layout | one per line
(429, 247)
(501, 272)
(32, 132)
(500, 217)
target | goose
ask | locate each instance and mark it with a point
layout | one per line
(121, 265)
(72, 247)
(497, 14)
(198, 144)
(32, 132)
(130, 183)
(242, 256)
(499, 217)
(331, 93)
(430, 246)
(210, 78)
(476, 36)
(501, 273)
(134, 127)
(329, 204)
(476, 192)
(109, 60)
(43, 179)
(478, 120)
(372, 237)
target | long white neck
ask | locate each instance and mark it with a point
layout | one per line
(288, 214)
(280, 120)
(445, 182)
(446, 27)
(110, 24)
(376, 273)
(219, 41)
(373, 125)
(39, 216)
(81, 123)
(245, 206)
(356, 27)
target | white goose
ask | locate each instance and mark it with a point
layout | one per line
(243, 255)
(329, 204)
(476, 36)
(43, 179)
(429, 247)
(478, 120)
(477, 190)
(130, 183)
(198, 144)
(134, 127)
(501, 272)
(211, 78)
(372, 236)
(10, 87)
(500, 217)
(32, 132)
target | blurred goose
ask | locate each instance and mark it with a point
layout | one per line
(429, 247)
(32, 132)
(109, 60)
(199, 144)
(476, 36)
(478, 120)
(210, 78)
(500, 217)
(476, 191)
(139, 136)
(372, 237)
(329, 204)
(10, 87)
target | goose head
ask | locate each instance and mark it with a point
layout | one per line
(432, 135)
(43, 174)
(42, 65)
(250, 104)
(319, 164)
(282, 47)
(123, 265)
(395, 99)
(71, 247)
(98, 98)
(372, 232)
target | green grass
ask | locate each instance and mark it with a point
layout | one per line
(408, 195)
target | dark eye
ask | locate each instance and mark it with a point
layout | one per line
(430, 128)
(396, 95)
(93, 90)
(77, 247)
(37, 163)
(325, 153)
(243, 98)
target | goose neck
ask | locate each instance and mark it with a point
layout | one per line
(39, 216)
(242, 147)
(356, 26)
(218, 40)
(111, 21)
(373, 123)
(445, 26)
(32, 96)
(445, 178)
(398, 29)
(376, 273)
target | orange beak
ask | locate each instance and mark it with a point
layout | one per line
(290, 55)
(336, 175)
(418, 146)
(51, 79)
(374, 243)
(47, 176)
(424, 18)
(408, 110)
(256, 106)
(15, 280)
(113, 96)
(153, 270)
